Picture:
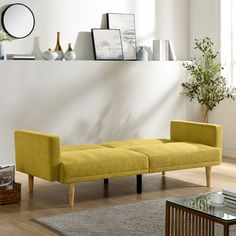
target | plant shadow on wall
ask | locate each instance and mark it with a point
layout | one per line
(207, 85)
(124, 128)
(127, 124)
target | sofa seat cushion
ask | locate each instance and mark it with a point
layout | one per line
(85, 165)
(134, 143)
(80, 147)
(179, 155)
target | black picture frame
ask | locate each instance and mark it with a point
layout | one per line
(126, 24)
(107, 44)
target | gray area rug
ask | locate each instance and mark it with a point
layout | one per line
(146, 218)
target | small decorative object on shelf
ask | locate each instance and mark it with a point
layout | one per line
(172, 55)
(20, 57)
(142, 54)
(58, 48)
(163, 50)
(50, 55)
(107, 44)
(3, 37)
(70, 53)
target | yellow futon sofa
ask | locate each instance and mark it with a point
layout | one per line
(190, 145)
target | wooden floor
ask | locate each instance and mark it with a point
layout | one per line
(51, 198)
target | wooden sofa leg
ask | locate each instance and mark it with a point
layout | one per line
(208, 175)
(163, 173)
(106, 181)
(31, 183)
(71, 194)
(139, 184)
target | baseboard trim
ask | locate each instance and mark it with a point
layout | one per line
(229, 152)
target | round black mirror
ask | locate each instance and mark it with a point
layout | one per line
(18, 20)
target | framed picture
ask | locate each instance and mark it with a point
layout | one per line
(107, 44)
(126, 24)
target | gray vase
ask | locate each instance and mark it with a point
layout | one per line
(2, 52)
(142, 54)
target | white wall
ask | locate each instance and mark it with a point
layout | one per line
(89, 101)
(155, 19)
(205, 20)
(225, 112)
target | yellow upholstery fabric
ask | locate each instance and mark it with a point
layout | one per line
(208, 134)
(80, 147)
(179, 155)
(37, 154)
(134, 143)
(88, 165)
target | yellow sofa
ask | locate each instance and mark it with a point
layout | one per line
(190, 145)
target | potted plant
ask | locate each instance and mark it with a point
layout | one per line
(3, 37)
(206, 84)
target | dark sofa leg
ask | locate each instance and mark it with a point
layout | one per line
(139, 184)
(106, 181)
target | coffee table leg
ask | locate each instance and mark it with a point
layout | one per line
(167, 228)
(226, 230)
(213, 228)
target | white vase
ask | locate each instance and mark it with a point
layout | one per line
(50, 55)
(142, 54)
(58, 48)
(2, 51)
(60, 55)
(70, 53)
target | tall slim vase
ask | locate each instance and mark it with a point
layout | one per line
(2, 51)
(58, 48)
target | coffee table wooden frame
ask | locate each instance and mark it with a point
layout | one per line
(183, 221)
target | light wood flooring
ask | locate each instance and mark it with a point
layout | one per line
(51, 198)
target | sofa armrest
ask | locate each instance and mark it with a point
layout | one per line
(208, 134)
(37, 154)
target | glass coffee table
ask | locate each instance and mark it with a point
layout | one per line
(185, 216)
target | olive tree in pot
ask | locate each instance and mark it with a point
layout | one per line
(206, 84)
